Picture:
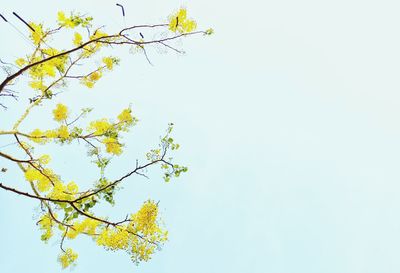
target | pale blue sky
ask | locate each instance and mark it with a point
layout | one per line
(288, 121)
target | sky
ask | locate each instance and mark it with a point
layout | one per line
(287, 118)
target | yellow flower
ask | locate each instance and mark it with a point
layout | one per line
(38, 85)
(126, 116)
(56, 63)
(90, 80)
(87, 82)
(44, 159)
(51, 51)
(67, 258)
(98, 34)
(95, 76)
(179, 22)
(51, 134)
(20, 62)
(100, 126)
(145, 220)
(87, 226)
(60, 113)
(32, 174)
(44, 183)
(40, 177)
(77, 39)
(61, 17)
(64, 20)
(46, 224)
(58, 191)
(112, 146)
(143, 223)
(115, 239)
(72, 187)
(49, 69)
(63, 132)
(38, 34)
(108, 61)
(37, 136)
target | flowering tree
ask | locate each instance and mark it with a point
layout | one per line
(67, 210)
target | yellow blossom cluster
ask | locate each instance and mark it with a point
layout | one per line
(126, 116)
(105, 128)
(92, 48)
(43, 179)
(77, 39)
(63, 192)
(112, 146)
(87, 226)
(109, 62)
(106, 131)
(91, 79)
(38, 85)
(67, 258)
(139, 238)
(115, 238)
(64, 20)
(49, 69)
(178, 22)
(38, 136)
(59, 62)
(37, 35)
(126, 119)
(44, 159)
(20, 62)
(145, 220)
(73, 20)
(39, 72)
(60, 113)
(63, 132)
(46, 225)
(100, 127)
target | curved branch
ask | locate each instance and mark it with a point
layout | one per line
(14, 159)
(25, 68)
(102, 39)
(115, 182)
(32, 196)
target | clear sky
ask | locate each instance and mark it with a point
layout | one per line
(288, 121)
